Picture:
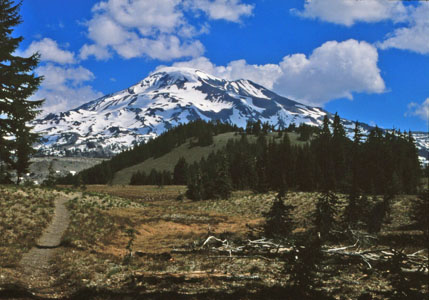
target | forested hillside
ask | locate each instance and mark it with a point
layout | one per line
(103, 173)
(380, 163)
(261, 158)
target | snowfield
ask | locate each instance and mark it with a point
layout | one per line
(166, 98)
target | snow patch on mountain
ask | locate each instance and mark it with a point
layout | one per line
(164, 99)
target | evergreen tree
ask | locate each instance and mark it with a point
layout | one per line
(291, 127)
(305, 131)
(279, 222)
(420, 211)
(404, 286)
(180, 172)
(411, 171)
(351, 212)
(375, 167)
(138, 178)
(195, 186)
(223, 179)
(377, 214)
(356, 158)
(205, 137)
(262, 184)
(322, 147)
(286, 163)
(275, 168)
(18, 83)
(339, 148)
(326, 211)
(242, 164)
(301, 264)
(51, 179)
(304, 169)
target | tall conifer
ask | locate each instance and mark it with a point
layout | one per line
(17, 83)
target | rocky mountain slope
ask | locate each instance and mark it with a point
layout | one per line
(164, 99)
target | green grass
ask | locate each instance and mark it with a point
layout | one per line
(191, 154)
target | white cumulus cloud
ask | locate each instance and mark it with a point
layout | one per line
(412, 34)
(415, 36)
(166, 47)
(348, 12)
(265, 75)
(49, 51)
(155, 29)
(99, 52)
(64, 88)
(333, 70)
(420, 110)
(230, 10)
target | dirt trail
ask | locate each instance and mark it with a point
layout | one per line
(36, 264)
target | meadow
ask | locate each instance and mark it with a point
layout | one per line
(148, 240)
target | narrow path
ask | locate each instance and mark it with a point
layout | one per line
(36, 264)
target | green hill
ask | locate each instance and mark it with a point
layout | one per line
(190, 153)
(192, 141)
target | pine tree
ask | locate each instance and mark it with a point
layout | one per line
(322, 146)
(286, 163)
(50, 180)
(412, 171)
(302, 264)
(356, 158)
(180, 172)
(275, 166)
(195, 186)
(17, 85)
(374, 166)
(419, 211)
(351, 212)
(376, 215)
(279, 222)
(326, 211)
(304, 169)
(205, 137)
(223, 179)
(339, 148)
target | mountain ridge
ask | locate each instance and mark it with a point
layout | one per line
(168, 97)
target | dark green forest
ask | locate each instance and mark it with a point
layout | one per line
(380, 162)
(201, 131)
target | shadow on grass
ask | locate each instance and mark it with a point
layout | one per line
(273, 293)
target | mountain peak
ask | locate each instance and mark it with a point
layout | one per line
(167, 97)
(191, 74)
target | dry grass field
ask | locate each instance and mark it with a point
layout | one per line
(24, 213)
(142, 240)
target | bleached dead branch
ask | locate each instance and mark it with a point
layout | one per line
(415, 262)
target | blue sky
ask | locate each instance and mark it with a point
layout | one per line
(367, 60)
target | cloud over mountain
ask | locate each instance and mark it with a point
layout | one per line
(333, 70)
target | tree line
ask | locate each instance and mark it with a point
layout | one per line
(379, 163)
(200, 131)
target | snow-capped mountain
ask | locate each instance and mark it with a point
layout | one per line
(164, 99)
